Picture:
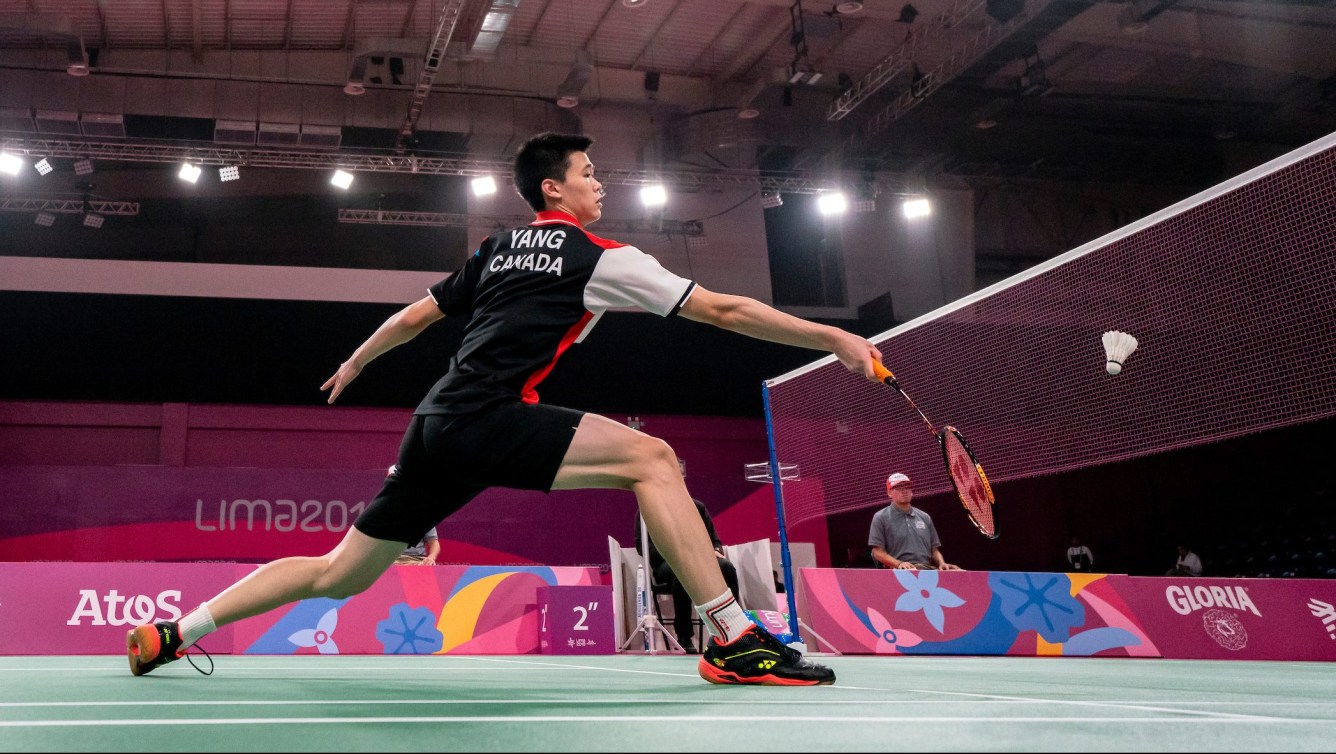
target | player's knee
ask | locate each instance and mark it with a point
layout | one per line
(657, 460)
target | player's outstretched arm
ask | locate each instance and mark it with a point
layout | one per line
(401, 327)
(750, 317)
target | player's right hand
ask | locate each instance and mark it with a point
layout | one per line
(347, 373)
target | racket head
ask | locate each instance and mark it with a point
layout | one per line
(969, 481)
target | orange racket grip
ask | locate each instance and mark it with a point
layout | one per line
(883, 373)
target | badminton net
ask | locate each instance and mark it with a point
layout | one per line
(1230, 293)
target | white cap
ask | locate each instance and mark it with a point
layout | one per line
(896, 479)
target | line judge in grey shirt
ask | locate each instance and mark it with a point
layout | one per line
(903, 536)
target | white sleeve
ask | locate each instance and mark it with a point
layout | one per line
(628, 277)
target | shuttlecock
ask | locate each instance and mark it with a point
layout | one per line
(1117, 347)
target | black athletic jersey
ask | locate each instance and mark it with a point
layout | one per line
(530, 293)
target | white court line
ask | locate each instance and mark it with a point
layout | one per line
(510, 720)
(542, 665)
(1140, 706)
(602, 700)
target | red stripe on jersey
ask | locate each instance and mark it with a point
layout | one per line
(529, 394)
(549, 216)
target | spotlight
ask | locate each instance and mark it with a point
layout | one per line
(914, 208)
(45, 219)
(10, 163)
(832, 203)
(653, 196)
(484, 186)
(770, 201)
(189, 173)
(342, 178)
(83, 167)
(865, 205)
(93, 221)
(697, 242)
(229, 173)
(44, 166)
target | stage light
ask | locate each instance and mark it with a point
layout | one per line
(83, 167)
(93, 221)
(342, 178)
(45, 219)
(484, 186)
(10, 163)
(653, 196)
(771, 200)
(915, 208)
(189, 173)
(832, 203)
(229, 173)
(44, 166)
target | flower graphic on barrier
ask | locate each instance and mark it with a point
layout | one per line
(409, 631)
(922, 593)
(1038, 605)
(322, 636)
(889, 639)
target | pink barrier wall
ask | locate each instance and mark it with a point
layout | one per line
(179, 482)
(82, 608)
(864, 611)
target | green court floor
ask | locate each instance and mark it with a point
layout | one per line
(658, 703)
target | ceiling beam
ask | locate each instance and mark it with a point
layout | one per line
(196, 33)
(655, 34)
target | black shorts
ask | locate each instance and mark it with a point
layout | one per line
(445, 461)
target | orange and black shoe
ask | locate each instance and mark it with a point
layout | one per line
(757, 657)
(151, 646)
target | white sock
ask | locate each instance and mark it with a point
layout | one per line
(723, 618)
(195, 625)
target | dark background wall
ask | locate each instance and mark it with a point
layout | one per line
(66, 346)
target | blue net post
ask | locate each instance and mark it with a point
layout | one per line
(778, 481)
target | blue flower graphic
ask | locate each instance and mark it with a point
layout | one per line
(1038, 601)
(409, 631)
(922, 593)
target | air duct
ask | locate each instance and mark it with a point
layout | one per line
(52, 25)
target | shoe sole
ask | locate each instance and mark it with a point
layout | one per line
(725, 678)
(142, 646)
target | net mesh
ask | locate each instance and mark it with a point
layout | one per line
(1229, 293)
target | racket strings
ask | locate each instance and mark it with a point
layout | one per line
(971, 485)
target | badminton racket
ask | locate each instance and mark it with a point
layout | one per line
(967, 477)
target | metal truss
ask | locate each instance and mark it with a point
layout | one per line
(444, 30)
(902, 58)
(129, 150)
(68, 206)
(960, 59)
(454, 220)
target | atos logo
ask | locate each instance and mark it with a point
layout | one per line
(125, 610)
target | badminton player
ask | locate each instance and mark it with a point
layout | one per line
(528, 294)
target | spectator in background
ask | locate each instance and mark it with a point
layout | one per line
(1079, 557)
(422, 553)
(1188, 563)
(683, 610)
(903, 536)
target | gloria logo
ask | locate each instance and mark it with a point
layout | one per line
(1187, 599)
(115, 609)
